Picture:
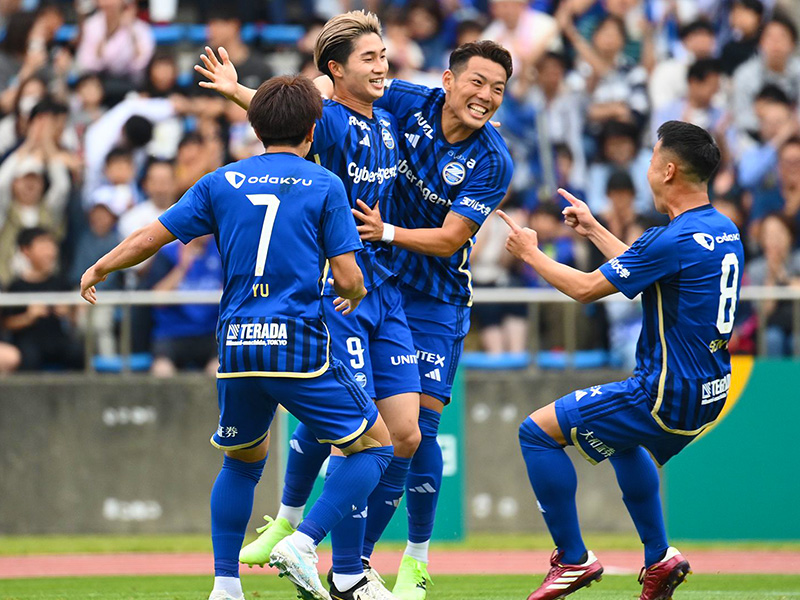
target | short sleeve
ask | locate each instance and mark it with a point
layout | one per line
(651, 258)
(485, 189)
(339, 234)
(191, 216)
(399, 95)
(327, 132)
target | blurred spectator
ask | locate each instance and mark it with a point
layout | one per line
(27, 199)
(160, 191)
(567, 175)
(161, 76)
(184, 335)
(523, 31)
(225, 29)
(502, 327)
(425, 27)
(554, 240)
(614, 84)
(779, 190)
(86, 104)
(619, 150)
(620, 215)
(697, 106)
(10, 358)
(404, 54)
(14, 125)
(120, 192)
(44, 335)
(745, 22)
(668, 79)
(196, 157)
(115, 42)
(779, 266)
(775, 64)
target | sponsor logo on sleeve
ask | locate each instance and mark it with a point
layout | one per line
(475, 205)
(618, 268)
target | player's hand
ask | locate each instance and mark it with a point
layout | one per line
(347, 305)
(221, 75)
(521, 242)
(371, 228)
(578, 216)
(89, 280)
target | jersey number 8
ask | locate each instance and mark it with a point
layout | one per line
(727, 291)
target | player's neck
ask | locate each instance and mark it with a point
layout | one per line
(344, 98)
(453, 129)
(300, 151)
(686, 201)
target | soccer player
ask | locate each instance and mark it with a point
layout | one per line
(689, 275)
(359, 144)
(276, 218)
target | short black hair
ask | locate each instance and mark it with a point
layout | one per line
(620, 181)
(223, 11)
(548, 208)
(619, 129)
(781, 18)
(154, 161)
(702, 68)
(695, 26)
(755, 6)
(485, 49)
(138, 131)
(773, 93)
(284, 109)
(48, 106)
(28, 235)
(694, 147)
(614, 19)
(118, 153)
(558, 57)
(562, 149)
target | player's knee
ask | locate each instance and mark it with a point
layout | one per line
(407, 440)
(533, 436)
(250, 455)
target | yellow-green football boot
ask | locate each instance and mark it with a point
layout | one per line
(412, 579)
(257, 552)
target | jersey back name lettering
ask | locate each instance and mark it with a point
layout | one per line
(276, 219)
(436, 177)
(363, 153)
(689, 273)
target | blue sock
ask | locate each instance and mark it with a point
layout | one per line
(424, 479)
(231, 505)
(349, 485)
(552, 476)
(347, 536)
(383, 502)
(306, 456)
(637, 476)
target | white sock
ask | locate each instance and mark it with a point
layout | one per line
(418, 551)
(303, 542)
(293, 514)
(231, 585)
(346, 582)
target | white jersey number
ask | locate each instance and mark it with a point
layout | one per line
(272, 203)
(727, 291)
(356, 350)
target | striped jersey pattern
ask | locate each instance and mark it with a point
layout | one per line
(689, 274)
(436, 177)
(276, 219)
(362, 151)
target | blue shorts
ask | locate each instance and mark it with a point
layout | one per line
(375, 342)
(438, 329)
(605, 419)
(333, 406)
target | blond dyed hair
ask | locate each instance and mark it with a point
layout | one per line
(337, 39)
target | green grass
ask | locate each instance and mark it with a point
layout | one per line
(473, 587)
(59, 544)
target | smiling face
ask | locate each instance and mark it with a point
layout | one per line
(363, 74)
(475, 91)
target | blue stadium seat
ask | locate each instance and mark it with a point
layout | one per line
(581, 359)
(281, 34)
(195, 34)
(482, 360)
(168, 34)
(66, 33)
(113, 364)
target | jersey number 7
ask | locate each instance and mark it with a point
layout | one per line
(272, 203)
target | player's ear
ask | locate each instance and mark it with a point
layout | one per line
(310, 136)
(336, 69)
(447, 80)
(670, 172)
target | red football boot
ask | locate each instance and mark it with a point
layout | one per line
(562, 580)
(660, 580)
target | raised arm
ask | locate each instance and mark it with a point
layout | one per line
(580, 218)
(222, 77)
(136, 248)
(580, 286)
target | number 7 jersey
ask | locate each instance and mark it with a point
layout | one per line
(276, 219)
(689, 273)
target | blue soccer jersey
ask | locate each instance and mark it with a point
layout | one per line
(276, 219)
(363, 153)
(436, 177)
(689, 273)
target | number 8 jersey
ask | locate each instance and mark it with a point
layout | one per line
(689, 273)
(276, 219)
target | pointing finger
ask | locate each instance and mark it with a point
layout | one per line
(509, 221)
(569, 197)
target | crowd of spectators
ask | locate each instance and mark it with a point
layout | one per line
(103, 127)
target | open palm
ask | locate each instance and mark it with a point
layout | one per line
(221, 73)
